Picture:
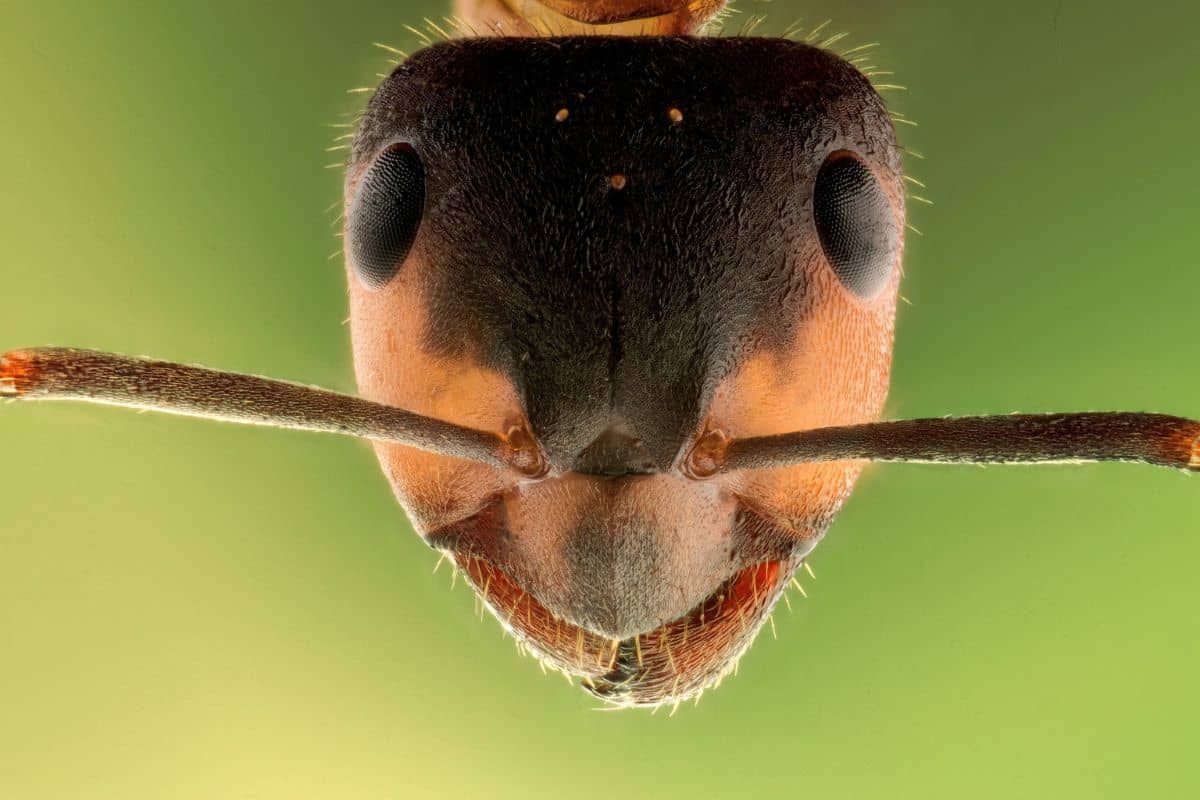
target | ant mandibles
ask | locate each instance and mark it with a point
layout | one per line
(622, 314)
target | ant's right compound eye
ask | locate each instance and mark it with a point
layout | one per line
(385, 214)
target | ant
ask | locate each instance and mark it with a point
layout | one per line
(622, 344)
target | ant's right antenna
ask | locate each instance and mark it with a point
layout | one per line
(60, 373)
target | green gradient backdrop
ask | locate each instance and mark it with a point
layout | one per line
(197, 611)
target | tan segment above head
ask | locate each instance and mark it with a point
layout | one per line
(587, 17)
(394, 370)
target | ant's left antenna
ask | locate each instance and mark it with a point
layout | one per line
(1157, 439)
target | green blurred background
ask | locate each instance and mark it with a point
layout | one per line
(194, 611)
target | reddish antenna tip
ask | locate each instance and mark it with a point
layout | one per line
(1187, 446)
(17, 372)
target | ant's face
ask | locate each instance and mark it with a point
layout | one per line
(620, 246)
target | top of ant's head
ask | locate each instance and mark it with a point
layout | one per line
(619, 246)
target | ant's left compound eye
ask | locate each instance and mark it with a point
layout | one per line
(385, 214)
(855, 223)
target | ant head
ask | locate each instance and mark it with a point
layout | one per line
(618, 266)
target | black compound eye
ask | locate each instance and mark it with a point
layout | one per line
(385, 214)
(855, 223)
